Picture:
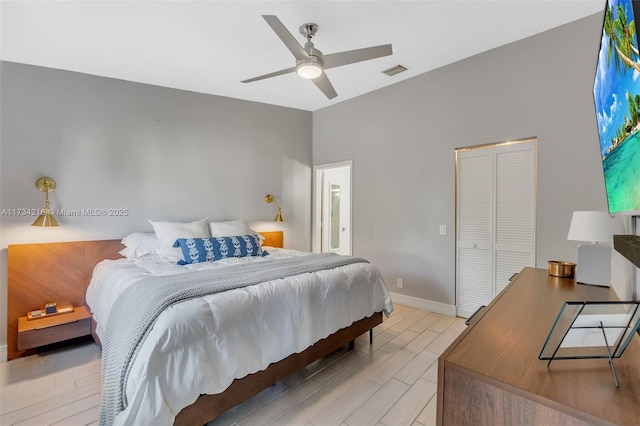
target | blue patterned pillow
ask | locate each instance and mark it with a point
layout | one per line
(196, 250)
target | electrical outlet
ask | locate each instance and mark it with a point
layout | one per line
(443, 229)
(399, 283)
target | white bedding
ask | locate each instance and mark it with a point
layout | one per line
(201, 345)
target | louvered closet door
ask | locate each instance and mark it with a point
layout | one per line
(495, 226)
(515, 212)
(474, 231)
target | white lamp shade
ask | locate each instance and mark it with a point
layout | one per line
(595, 227)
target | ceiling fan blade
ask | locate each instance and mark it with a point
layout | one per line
(325, 85)
(287, 38)
(272, 74)
(358, 55)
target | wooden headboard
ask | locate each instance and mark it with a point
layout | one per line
(59, 272)
(273, 238)
(49, 272)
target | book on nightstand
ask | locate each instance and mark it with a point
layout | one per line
(48, 312)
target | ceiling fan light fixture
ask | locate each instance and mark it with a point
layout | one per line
(309, 70)
(310, 62)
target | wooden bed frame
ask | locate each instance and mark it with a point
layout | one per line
(60, 272)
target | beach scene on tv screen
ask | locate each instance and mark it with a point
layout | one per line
(617, 100)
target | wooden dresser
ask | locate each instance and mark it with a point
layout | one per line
(491, 374)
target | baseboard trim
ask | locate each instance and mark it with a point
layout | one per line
(3, 353)
(424, 304)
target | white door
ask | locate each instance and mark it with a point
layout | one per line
(495, 219)
(333, 208)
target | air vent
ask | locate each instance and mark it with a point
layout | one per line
(395, 70)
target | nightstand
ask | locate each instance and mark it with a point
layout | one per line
(45, 331)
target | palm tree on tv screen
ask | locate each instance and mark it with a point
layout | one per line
(610, 30)
(622, 35)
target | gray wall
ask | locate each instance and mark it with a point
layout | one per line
(402, 139)
(163, 154)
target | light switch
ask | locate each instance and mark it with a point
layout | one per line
(443, 229)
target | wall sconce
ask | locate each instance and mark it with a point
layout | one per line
(45, 185)
(271, 199)
(594, 258)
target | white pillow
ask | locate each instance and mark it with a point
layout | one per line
(230, 228)
(168, 232)
(139, 244)
(128, 253)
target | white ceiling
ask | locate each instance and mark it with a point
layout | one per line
(210, 46)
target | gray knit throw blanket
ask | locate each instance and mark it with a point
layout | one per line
(138, 307)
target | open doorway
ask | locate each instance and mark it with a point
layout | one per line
(332, 211)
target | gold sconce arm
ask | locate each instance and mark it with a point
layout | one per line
(269, 198)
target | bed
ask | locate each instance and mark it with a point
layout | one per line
(204, 398)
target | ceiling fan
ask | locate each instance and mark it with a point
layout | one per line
(310, 62)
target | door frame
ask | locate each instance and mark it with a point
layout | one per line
(316, 213)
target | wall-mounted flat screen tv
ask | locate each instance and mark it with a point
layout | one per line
(616, 93)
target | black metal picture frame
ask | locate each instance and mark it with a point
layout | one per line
(592, 329)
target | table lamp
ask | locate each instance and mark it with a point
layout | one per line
(594, 258)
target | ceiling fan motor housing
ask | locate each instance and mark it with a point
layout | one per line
(314, 57)
(312, 66)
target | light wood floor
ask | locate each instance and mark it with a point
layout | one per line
(389, 383)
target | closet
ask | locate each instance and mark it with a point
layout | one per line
(495, 218)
